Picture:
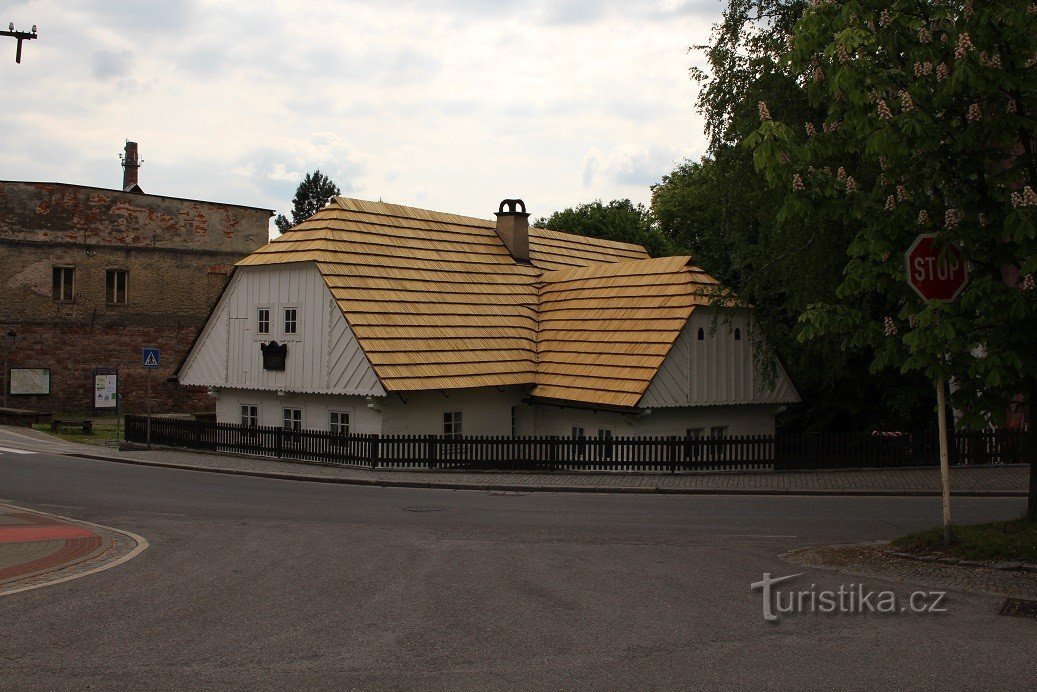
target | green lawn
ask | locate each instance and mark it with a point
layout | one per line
(1003, 541)
(104, 431)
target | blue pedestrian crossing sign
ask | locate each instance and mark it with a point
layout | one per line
(150, 357)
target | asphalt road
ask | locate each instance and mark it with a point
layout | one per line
(253, 582)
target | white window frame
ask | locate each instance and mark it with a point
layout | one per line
(719, 432)
(284, 321)
(335, 427)
(295, 422)
(453, 424)
(254, 408)
(269, 319)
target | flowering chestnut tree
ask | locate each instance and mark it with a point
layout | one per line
(929, 127)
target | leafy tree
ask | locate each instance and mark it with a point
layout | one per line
(928, 127)
(620, 220)
(312, 195)
(721, 211)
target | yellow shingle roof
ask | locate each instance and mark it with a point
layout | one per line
(606, 329)
(435, 300)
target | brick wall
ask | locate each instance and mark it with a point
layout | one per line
(72, 353)
(177, 254)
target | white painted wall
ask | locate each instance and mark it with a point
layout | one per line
(719, 369)
(485, 411)
(740, 419)
(323, 356)
(315, 409)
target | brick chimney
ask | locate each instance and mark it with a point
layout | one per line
(513, 228)
(130, 165)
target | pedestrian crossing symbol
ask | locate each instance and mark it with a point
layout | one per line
(150, 357)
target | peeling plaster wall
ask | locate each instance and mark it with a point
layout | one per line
(177, 255)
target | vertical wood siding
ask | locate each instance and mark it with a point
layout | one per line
(323, 356)
(717, 370)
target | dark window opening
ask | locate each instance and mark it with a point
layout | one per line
(62, 283)
(115, 286)
(452, 424)
(263, 321)
(702, 333)
(738, 334)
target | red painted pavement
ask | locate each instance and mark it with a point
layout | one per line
(28, 534)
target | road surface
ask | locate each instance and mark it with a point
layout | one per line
(253, 581)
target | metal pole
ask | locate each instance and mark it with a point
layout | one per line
(7, 371)
(945, 471)
(147, 434)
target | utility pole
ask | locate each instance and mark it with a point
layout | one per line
(19, 36)
(9, 338)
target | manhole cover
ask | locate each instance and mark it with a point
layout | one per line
(422, 509)
(1020, 608)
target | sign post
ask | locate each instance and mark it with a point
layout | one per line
(150, 359)
(938, 275)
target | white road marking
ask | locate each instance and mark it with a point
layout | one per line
(18, 451)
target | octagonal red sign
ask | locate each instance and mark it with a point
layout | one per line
(936, 274)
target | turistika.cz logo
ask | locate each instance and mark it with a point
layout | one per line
(848, 599)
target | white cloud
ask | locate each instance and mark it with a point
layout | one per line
(452, 105)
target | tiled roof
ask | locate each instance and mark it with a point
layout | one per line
(435, 300)
(606, 329)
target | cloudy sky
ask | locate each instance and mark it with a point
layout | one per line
(450, 105)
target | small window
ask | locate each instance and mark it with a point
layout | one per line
(695, 433)
(738, 334)
(249, 415)
(702, 334)
(292, 419)
(263, 321)
(339, 422)
(291, 320)
(115, 286)
(452, 424)
(579, 442)
(718, 432)
(606, 435)
(63, 283)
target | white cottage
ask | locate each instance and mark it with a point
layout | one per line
(378, 318)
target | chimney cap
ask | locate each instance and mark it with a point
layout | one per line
(513, 205)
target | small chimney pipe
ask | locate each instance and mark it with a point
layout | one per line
(513, 228)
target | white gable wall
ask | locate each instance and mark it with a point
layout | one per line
(323, 355)
(719, 369)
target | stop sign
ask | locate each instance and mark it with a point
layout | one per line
(936, 274)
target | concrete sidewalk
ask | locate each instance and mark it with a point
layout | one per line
(1005, 481)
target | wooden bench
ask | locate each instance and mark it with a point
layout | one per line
(86, 425)
(22, 417)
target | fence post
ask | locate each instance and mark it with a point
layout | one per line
(430, 451)
(197, 434)
(278, 441)
(372, 454)
(674, 446)
(552, 451)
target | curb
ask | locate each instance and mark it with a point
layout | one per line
(141, 545)
(1002, 566)
(515, 487)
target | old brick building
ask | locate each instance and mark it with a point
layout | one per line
(90, 276)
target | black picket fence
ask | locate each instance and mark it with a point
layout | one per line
(550, 453)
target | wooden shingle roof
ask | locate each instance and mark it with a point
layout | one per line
(604, 330)
(435, 300)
